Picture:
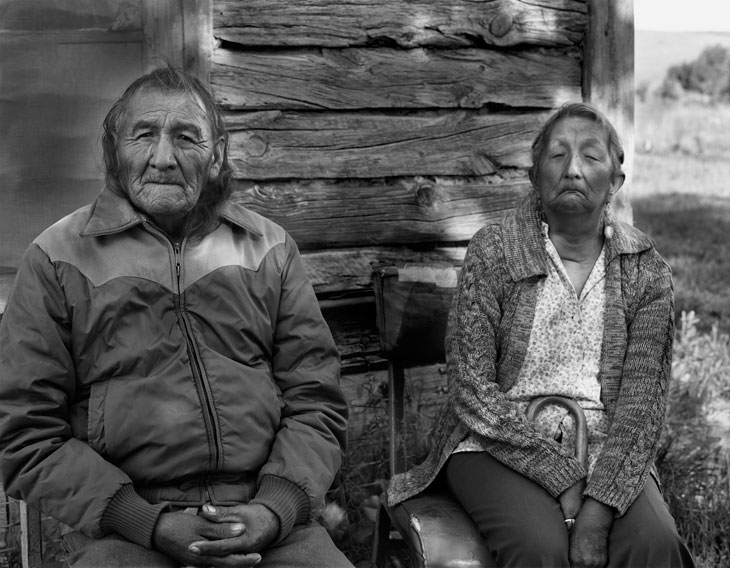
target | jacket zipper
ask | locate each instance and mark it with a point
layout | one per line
(202, 385)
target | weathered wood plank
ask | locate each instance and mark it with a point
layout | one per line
(162, 25)
(391, 78)
(197, 37)
(282, 145)
(608, 78)
(337, 272)
(354, 330)
(326, 213)
(407, 24)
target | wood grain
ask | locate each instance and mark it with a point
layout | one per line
(337, 272)
(434, 23)
(275, 144)
(417, 210)
(331, 79)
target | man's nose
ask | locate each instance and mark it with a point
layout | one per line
(163, 154)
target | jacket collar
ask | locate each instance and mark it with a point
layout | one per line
(525, 251)
(112, 213)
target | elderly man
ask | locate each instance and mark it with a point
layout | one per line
(168, 386)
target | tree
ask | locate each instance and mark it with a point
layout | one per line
(709, 75)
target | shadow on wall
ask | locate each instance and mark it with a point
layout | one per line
(61, 69)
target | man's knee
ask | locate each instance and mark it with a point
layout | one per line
(111, 552)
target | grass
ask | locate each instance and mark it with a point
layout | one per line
(681, 197)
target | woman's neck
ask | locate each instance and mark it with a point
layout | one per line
(577, 240)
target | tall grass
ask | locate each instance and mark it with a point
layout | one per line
(694, 459)
(681, 197)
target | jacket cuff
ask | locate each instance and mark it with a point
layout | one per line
(132, 517)
(286, 500)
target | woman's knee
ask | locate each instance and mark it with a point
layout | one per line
(647, 534)
(546, 546)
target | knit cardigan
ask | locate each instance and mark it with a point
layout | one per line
(489, 331)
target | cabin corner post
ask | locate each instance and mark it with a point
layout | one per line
(178, 33)
(198, 40)
(608, 78)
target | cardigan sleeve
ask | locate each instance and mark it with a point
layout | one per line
(631, 445)
(472, 352)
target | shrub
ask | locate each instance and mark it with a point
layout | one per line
(694, 454)
(708, 75)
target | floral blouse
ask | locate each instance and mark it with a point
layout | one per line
(563, 355)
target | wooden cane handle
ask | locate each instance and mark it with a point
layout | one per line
(581, 427)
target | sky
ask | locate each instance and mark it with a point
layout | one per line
(682, 15)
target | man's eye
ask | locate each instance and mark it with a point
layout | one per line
(185, 138)
(557, 155)
(144, 134)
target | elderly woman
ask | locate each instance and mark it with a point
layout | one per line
(560, 299)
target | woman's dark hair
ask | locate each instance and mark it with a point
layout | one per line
(577, 110)
(173, 80)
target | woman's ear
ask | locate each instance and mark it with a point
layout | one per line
(618, 181)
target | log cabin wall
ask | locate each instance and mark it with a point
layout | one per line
(383, 131)
(386, 132)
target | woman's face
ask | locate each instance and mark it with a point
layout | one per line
(575, 172)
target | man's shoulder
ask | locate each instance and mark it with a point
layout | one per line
(64, 231)
(255, 223)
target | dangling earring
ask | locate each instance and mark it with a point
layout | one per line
(540, 210)
(608, 221)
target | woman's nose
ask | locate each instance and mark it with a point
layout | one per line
(163, 153)
(573, 166)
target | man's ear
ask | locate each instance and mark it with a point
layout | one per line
(219, 150)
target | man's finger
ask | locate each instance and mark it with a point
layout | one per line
(232, 561)
(220, 514)
(220, 531)
(218, 548)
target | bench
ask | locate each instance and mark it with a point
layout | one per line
(412, 306)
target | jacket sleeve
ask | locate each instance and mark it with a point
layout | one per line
(307, 450)
(472, 352)
(633, 438)
(40, 461)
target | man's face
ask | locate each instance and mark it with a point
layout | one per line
(166, 154)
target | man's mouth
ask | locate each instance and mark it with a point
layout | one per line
(163, 182)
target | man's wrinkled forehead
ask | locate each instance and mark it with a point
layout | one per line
(184, 105)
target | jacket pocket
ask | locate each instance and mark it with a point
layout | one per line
(96, 432)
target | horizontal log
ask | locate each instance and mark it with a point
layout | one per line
(335, 273)
(275, 144)
(407, 24)
(391, 78)
(355, 332)
(325, 213)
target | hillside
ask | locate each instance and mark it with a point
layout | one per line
(657, 51)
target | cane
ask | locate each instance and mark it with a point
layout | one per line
(581, 428)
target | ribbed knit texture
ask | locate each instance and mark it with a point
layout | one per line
(286, 500)
(490, 327)
(132, 517)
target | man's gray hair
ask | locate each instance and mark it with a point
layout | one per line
(174, 81)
